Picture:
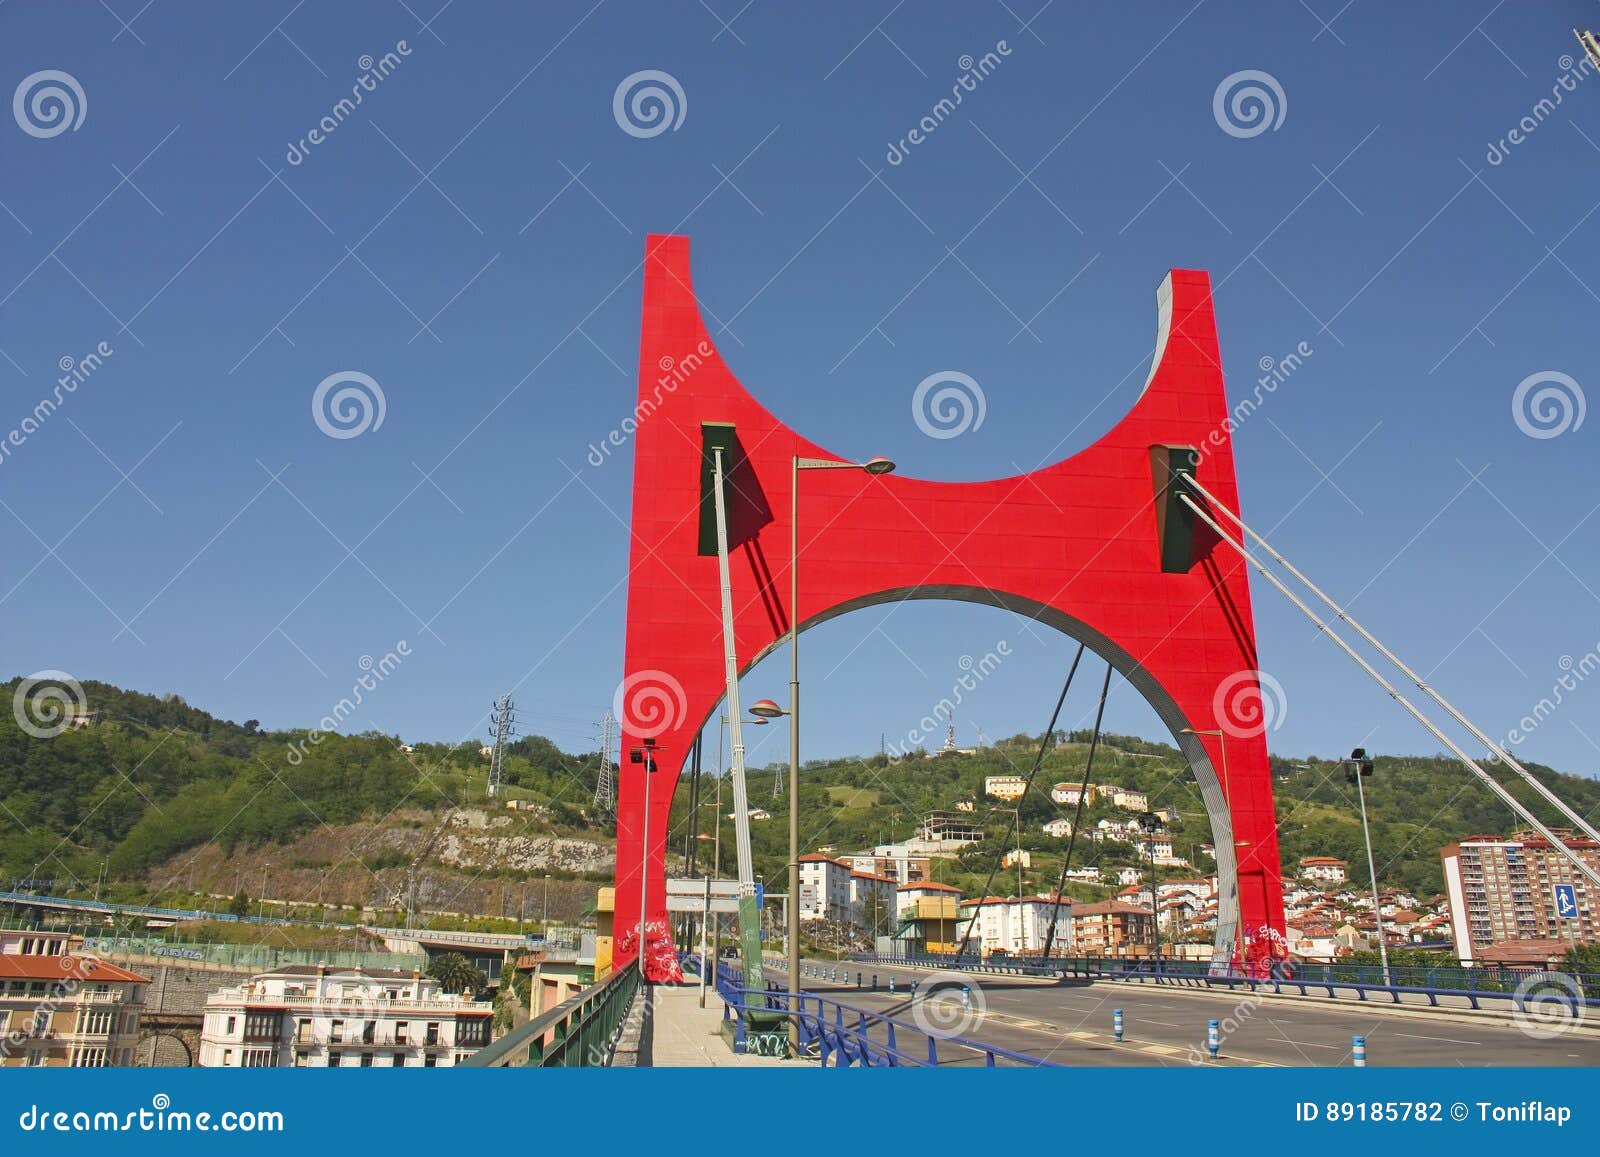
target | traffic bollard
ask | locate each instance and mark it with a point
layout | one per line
(1358, 1051)
(1116, 1024)
(1213, 1039)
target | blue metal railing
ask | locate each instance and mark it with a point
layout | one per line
(1519, 986)
(844, 1035)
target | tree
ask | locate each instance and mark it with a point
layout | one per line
(240, 904)
(455, 973)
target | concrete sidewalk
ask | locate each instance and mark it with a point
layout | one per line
(684, 1035)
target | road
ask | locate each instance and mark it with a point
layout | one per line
(1071, 1023)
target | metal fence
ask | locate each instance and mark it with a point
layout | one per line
(254, 957)
(1518, 985)
(845, 1035)
(580, 1033)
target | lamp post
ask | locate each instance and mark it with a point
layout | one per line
(1227, 791)
(1356, 769)
(544, 926)
(874, 466)
(647, 756)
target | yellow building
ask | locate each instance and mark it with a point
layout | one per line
(60, 1011)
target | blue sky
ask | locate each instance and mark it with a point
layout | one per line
(469, 238)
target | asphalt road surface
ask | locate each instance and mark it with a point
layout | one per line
(1071, 1023)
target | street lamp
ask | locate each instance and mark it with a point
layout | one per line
(544, 927)
(1356, 769)
(1227, 791)
(874, 466)
(1151, 824)
(647, 756)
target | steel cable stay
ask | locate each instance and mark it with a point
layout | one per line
(1499, 752)
(1077, 819)
(1372, 672)
(1038, 760)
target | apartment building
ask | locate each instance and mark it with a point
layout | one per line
(63, 1010)
(896, 861)
(1017, 926)
(1112, 928)
(1519, 888)
(824, 888)
(1324, 869)
(1005, 787)
(310, 1016)
(1067, 794)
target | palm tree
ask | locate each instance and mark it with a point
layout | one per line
(455, 973)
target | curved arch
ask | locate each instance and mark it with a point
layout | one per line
(1138, 677)
(1083, 544)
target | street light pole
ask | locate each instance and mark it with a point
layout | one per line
(874, 466)
(1357, 768)
(544, 927)
(1227, 791)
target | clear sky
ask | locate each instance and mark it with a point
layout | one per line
(469, 238)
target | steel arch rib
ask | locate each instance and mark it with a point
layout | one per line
(1073, 544)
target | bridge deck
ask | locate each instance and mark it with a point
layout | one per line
(684, 1035)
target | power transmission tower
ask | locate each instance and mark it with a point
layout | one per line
(777, 784)
(605, 784)
(502, 722)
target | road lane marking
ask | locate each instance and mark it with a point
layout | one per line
(1447, 1040)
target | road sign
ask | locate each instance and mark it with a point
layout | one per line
(761, 896)
(1566, 896)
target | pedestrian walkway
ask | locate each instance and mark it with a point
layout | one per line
(684, 1035)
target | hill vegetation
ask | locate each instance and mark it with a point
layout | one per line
(154, 778)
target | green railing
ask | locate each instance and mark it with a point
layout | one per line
(253, 957)
(580, 1033)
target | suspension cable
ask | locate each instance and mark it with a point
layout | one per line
(1489, 781)
(1077, 817)
(1498, 751)
(1044, 743)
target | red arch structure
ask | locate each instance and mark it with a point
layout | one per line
(1077, 545)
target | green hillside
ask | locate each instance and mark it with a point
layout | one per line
(154, 778)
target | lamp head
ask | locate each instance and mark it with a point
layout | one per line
(878, 465)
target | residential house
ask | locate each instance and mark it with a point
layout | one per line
(311, 1016)
(59, 1009)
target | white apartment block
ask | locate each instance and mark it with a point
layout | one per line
(1016, 926)
(825, 889)
(308, 1016)
(1067, 794)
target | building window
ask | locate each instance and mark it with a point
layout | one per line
(366, 1060)
(433, 1033)
(400, 1028)
(302, 1059)
(336, 1032)
(233, 1022)
(397, 1061)
(333, 1060)
(430, 1061)
(227, 1057)
(257, 1059)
